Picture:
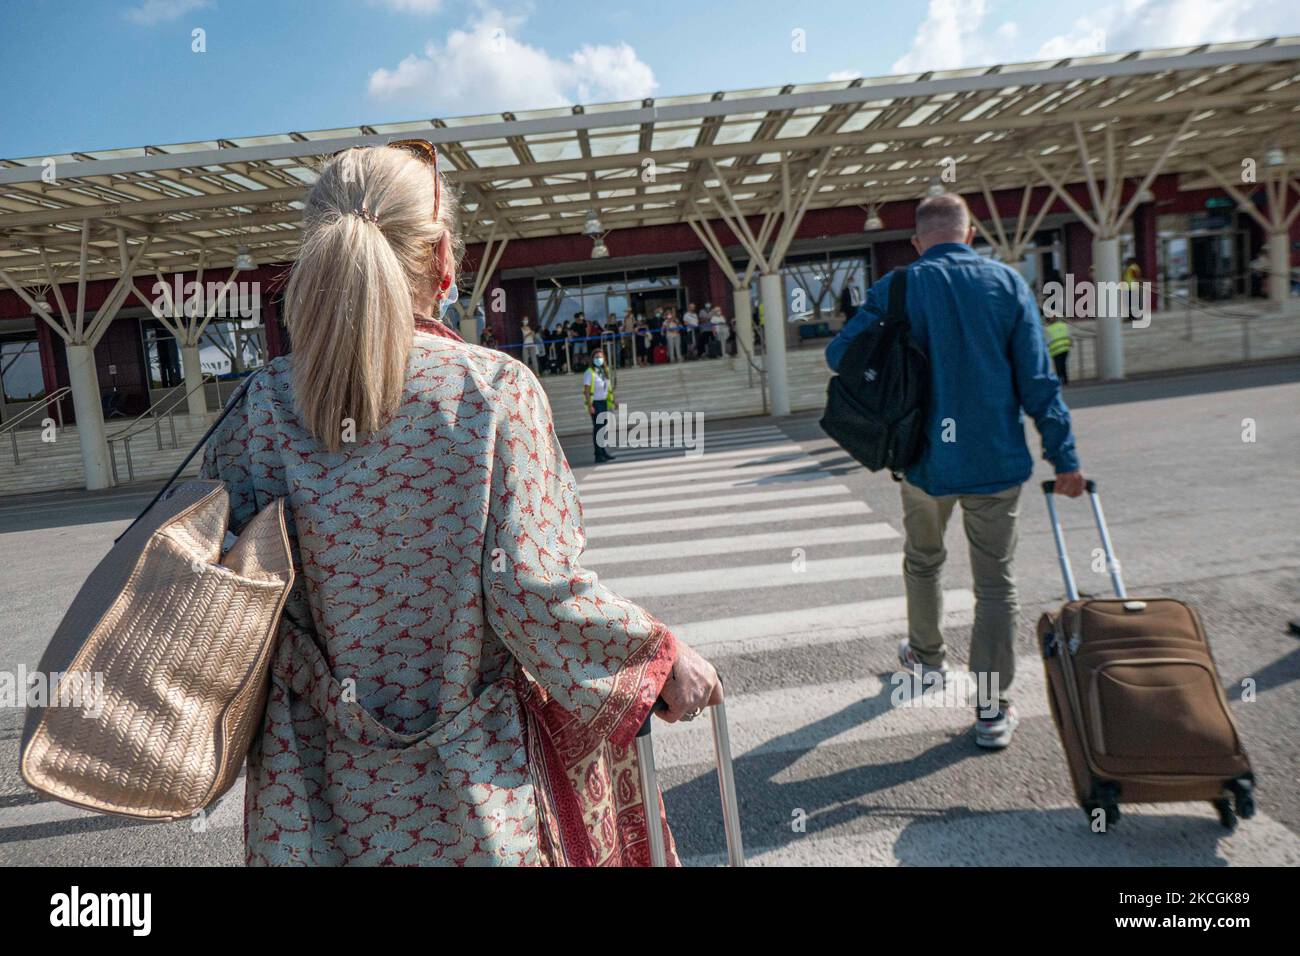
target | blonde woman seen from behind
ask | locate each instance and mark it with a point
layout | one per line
(450, 685)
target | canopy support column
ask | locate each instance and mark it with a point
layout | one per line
(771, 286)
(80, 338)
(771, 289)
(1107, 223)
(88, 405)
(487, 266)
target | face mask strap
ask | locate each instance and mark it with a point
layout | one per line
(451, 295)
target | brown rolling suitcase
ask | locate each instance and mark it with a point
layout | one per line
(1137, 698)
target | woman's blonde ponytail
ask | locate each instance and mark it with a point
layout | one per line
(367, 253)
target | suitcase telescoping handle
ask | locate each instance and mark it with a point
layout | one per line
(645, 758)
(1112, 563)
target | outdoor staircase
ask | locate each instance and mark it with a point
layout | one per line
(1205, 334)
(719, 388)
(51, 466)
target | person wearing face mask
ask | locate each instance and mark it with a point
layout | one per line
(673, 336)
(529, 351)
(449, 686)
(598, 393)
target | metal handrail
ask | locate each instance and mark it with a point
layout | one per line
(750, 368)
(43, 403)
(1188, 299)
(1191, 302)
(154, 414)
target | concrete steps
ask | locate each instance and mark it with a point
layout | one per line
(719, 388)
(50, 466)
(1177, 340)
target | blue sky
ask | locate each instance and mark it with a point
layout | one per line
(83, 75)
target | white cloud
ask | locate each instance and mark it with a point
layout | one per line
(1150, 24)
(611, 73)
(950, 36)
(956, 33)
(151, 12)
(843, 75)
(485, 69)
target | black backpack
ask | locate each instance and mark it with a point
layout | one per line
(876, 405)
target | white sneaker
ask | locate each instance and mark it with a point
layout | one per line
(907, 657)
(995, 733)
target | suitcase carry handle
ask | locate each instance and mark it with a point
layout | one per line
(1058, 536)
(645, 758)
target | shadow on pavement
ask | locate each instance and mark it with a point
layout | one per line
(1282, 671)
(768, 804)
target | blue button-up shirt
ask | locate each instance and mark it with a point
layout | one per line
(978, 322)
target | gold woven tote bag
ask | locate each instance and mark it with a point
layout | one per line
(157, 676)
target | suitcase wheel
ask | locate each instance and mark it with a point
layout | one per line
(1104, 797)
(1243, 791)
(1110, 810)
(1227, 816)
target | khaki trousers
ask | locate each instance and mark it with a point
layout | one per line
(990, 524)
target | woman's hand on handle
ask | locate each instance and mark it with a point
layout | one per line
(692, 686)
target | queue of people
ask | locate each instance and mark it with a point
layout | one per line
(663, 337)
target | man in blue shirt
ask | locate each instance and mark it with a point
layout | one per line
(978, 322)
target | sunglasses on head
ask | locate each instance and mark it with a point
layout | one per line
(427, 153)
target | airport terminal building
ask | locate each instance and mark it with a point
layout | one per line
(767, 203)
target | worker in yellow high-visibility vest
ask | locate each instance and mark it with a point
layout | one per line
(1058, 346)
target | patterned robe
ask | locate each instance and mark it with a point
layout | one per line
(450, 686)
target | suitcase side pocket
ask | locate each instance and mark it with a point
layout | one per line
(1160, 715)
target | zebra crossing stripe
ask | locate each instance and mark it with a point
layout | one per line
(794, 464)
(634, 507)
(781, 574)
(740, 482)
(735, 544)
(840, 510)
(702, 440)
(677, 458)
(875, 706)
(713, 433)
(689, 469)
(814, 625)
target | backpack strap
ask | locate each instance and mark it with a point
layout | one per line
(898, 295)
(231, 405)
(898, 315)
